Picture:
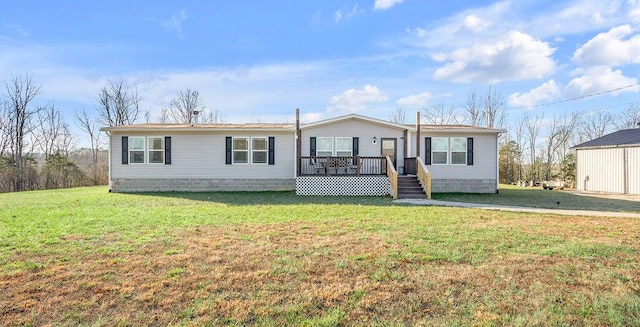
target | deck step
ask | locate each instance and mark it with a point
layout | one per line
(409, 188)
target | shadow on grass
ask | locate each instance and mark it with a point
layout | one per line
(539, 198)
(271, 198)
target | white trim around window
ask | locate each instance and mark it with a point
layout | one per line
(240, 150)
(458, 153)
(439, 150)
(259, 150)
(155, 149)
(136, 148)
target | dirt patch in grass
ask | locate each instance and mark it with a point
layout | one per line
(309, 273)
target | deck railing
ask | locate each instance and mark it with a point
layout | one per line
(342, 166)
(424, 176)
(393, 177)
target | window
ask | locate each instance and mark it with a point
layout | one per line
(343, 146)
(324, 147)
(458, 151)
(156, 149)
(439, 149)
(136, 149)
(240, 150)
(259, 150)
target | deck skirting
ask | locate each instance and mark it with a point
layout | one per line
(343, 185)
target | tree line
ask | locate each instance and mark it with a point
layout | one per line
(38, 150)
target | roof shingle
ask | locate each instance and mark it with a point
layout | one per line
(622, 137)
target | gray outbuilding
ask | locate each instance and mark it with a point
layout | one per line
(610, 163)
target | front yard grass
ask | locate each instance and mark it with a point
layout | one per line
(511, 195)
(86, 257)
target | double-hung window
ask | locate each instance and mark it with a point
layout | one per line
(136, 149)
(439, 150)
(458, 150)
(155, 148)
(240, 150)
(344, 147)
(324, 147)
(259, 149)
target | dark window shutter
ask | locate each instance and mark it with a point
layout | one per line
(470, 151)
(312, 146)
(125, 150)
(167, 150)
(355, 149)
(228, 150)
(272, 150)
(427, 151)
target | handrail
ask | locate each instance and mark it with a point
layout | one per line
(424, 176)
(393, 177)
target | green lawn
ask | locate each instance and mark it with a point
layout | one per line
(539, 198)
(87, 257)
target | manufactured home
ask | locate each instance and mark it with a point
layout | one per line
(347, 155)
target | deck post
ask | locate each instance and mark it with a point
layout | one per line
(298, 144)
(418, 134)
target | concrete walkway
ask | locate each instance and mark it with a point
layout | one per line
(425, 202)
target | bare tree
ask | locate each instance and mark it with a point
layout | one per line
(398, 116)
(5, 127)
(533, 126)
(472, 111)
(495, 112)
(182, 106)
(595, 124)
(629, 118)
(118, 104)
(20, 92)
(520, 130)
(52, 132)
(440, 114)
(88, 125)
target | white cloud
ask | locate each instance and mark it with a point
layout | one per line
(173, 23)
(544, 92)
(353, 100)
(345, 13)
(517, 56)
(598, 79)
(474, 23)
(311, 117)
(611, 48)
(414, 101)
(385, 4)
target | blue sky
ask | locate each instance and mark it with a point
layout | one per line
(256, 61)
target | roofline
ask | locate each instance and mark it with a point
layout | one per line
(613, 146)
(356, 116)
(194, 129)
(470, 129)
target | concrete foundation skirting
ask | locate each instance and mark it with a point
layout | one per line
(200, 184)
(463, 185)
(343, 185)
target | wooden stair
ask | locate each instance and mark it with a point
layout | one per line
(409, 188)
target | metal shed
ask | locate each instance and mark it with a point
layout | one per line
(610, 163)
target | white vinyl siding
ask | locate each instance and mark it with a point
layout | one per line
(202, 155)
(155, 149)
(136, 150)
(485, 156)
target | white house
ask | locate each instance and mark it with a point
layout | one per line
(348, 155)
(610, 163)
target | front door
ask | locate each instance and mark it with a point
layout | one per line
(389, 149)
